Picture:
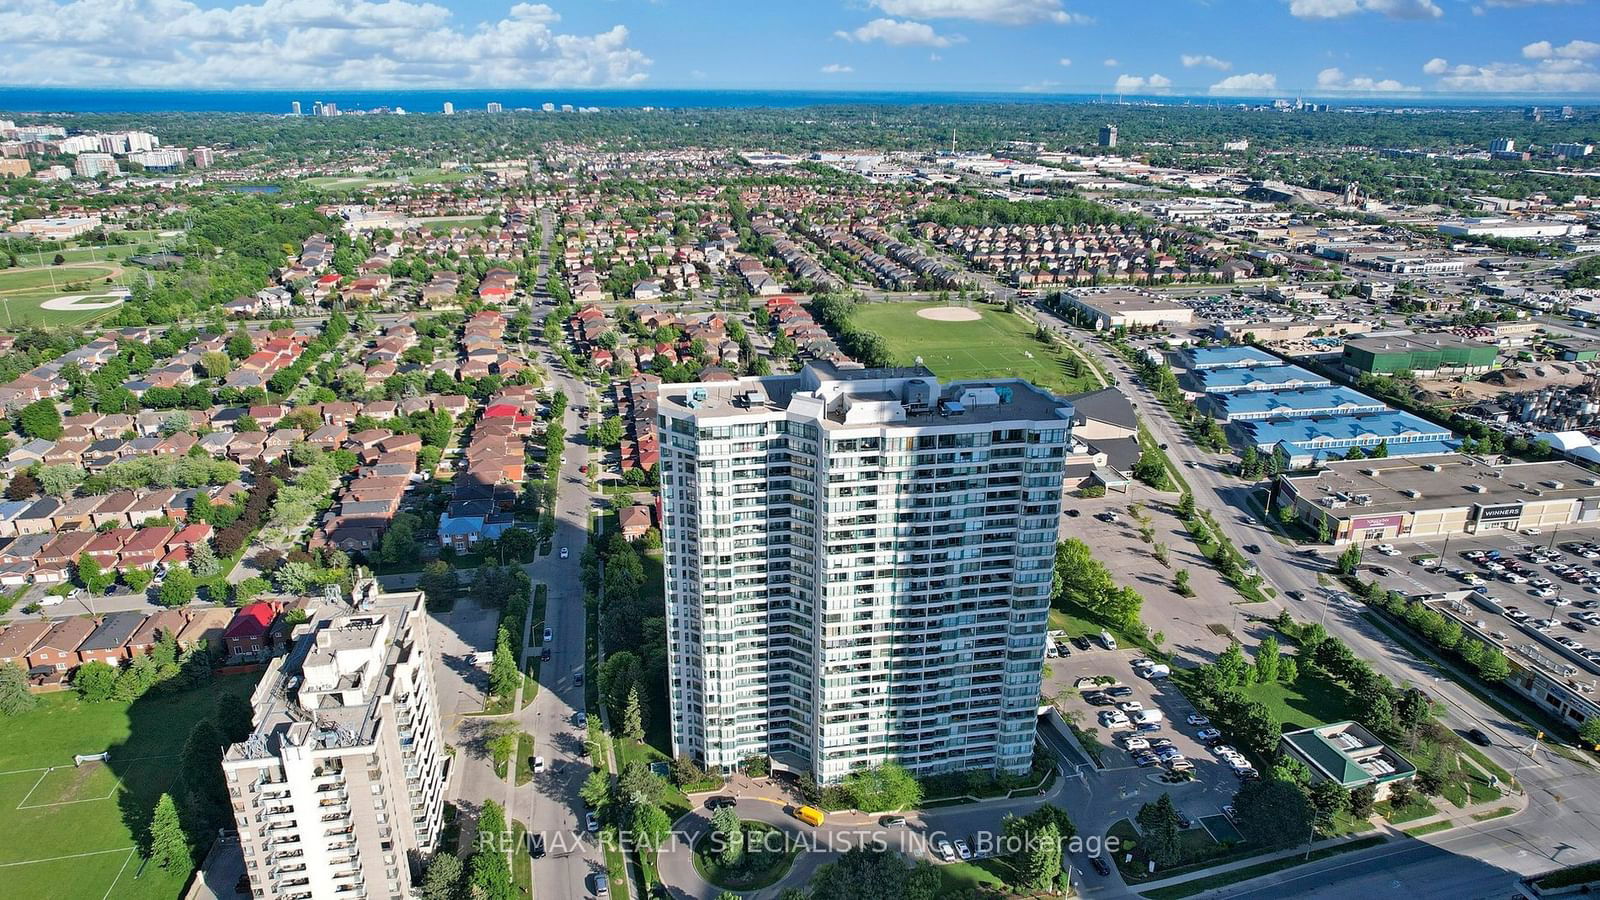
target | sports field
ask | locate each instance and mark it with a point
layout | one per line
(70, 831)
(23, 292)
(997, 344)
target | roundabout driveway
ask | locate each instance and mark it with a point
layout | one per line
(765, 801)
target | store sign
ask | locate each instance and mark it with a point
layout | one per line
(1363, 523)
(1497, 513)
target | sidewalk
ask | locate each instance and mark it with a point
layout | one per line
(1389, 832)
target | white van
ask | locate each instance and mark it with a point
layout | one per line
(1147, 717)
(1155, 670)
(1107, 641)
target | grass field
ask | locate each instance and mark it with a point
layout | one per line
(999, 344)
(358, 182)
(51, 278)
(24, 291)
(65, 830)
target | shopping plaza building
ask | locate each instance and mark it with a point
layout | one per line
(858, 567)
(1383, 499)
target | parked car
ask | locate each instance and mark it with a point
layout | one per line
(962, 850)
(563, 553)
(1135, 743)
(602, 886)
(944, 851)
(718, 802)
(1208, 734)
(1101, 867)
(892, 821)
(1197, 719)
(591, 822)
(1477, 736)
(1387, 549)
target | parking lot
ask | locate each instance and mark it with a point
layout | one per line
(1214, 781)
(1516, 585)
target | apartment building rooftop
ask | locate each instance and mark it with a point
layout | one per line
(850, 397)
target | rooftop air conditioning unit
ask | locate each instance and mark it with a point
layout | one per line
(1555, 485)
(1433, 467)
(1476, 488)
(1412, 493)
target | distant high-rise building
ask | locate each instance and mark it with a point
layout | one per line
(1533, 114)
(548, 107)
(294, 108)
(90, 165)
(494, 107)
(1502, 145)
(858, 568)
(340, 785)
(1108, 135)
(449, 108)
(1568, 112)
(201, 157)
(316, 107)
(1572, 149)
(330, 108)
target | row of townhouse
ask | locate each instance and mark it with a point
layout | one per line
(801, 263)
(29, 556)
(368, 503)
(1035, 255)
(49, 650)
(484, 350)
(756, 277)
(931, 271)
(794, 321)
(492, 471)
(636, 405)
(885, 271)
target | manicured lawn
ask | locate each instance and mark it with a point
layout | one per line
(51, 277)
(27, 307)
(521, 862)
(525, 756)
(1429, 828)
(1419, 807)
(970, 876)
(767, 857)
(69, 831)
(997, 345)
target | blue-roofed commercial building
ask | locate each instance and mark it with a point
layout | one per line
(1202, 358)
(1256, 378)
(1317, 438)
(1247, 406)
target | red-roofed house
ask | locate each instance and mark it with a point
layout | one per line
(247, 636)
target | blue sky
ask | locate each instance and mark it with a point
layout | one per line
(1221, 47)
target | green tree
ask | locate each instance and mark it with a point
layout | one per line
(1186, 507)
(488, 871)
(650, 825)
(168, 844)
(727, 836)
(442, 881)
(596, 789)
(40, 419)
(1180, 581)
(504, 675)
(633, 715)
(1349, 559)
(439, 583)
(178, 589)
(1159, 831)
(1272, 812)
(92, 577)
(233, 716)
(15, 698)
(1493, 665)
(95, 681)
(882, 787)
(1589, 733)
(1328, 799)
(1268, 660)
(1362, 799)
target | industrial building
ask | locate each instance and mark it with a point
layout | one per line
(1383, 499)
(826, 604)
(1199, 359)
(1425, 355)
(1313, 439)
(1256, 378)
(1496, 227)
(1243, 406)
(1575, 349)
(1118, 308)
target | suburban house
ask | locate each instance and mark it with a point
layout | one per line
(249, 635)
(57, 651)
(108, 643)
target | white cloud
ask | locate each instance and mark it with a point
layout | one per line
(836, 69)
(1339, 9)
(899, 34)
(1247, 83)
(1513, 4)
(996, 12)
(295, 43)
(1333, 79)
(1041, 87)
(1190, 60)
(1111, 62)
(934, 57)
(1129, 84)
(1554, 75)
(1065, 61)
(1569, 50)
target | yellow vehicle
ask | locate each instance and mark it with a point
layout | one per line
(809, 815)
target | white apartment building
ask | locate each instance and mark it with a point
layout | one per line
(858, 567)
(344, 775)
(90, 165)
